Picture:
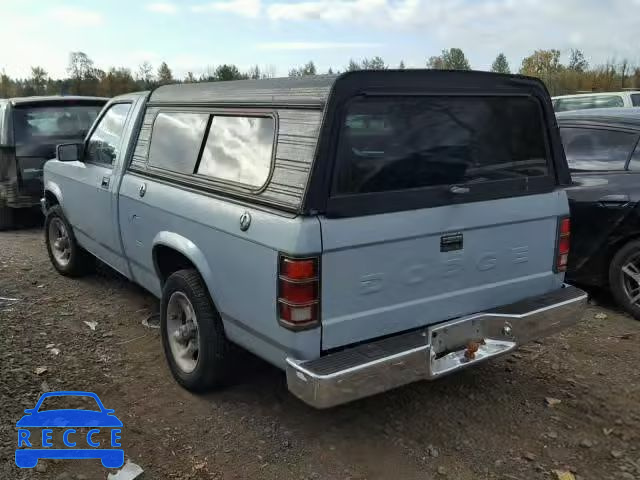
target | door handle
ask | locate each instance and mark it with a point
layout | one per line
(105, 182)
(458, 190)
(614, 200)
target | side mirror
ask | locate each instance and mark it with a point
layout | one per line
(68, 152)
(29, 411)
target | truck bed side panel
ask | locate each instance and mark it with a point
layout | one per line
(238, 267)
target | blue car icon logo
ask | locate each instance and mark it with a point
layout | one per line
(37, 428)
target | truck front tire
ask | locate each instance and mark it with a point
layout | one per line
(66, 255)
(193, 337)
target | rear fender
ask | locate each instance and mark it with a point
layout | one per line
(187, 248)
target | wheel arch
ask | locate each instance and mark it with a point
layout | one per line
(172, 252)
(53, 194)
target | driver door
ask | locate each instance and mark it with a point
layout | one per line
(90, 207)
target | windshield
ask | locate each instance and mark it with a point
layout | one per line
(37, 123)
(69, 402)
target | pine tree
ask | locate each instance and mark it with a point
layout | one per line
(308, 68)
(500, 64)
(452, 59)
(229, 72)
(165, 75)
(353, 66)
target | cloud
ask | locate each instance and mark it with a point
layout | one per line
(162, 7)
(335, 10)
(482, 27)
(244, 8)
(315, 45)
(77, 17)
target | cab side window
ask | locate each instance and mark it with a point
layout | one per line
(104, 144)
(239, 150)
(224, 148)
(176, 140)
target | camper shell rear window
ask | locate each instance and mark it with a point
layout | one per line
(392, 143)
(404, 140)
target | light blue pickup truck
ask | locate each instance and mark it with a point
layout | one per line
(360, 232)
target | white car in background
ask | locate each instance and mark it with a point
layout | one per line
(596, 100)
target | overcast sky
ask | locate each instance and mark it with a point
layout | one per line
(191, 34)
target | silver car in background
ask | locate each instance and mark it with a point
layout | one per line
(584, 101)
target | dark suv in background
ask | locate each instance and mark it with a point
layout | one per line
(603, 151)
(30, 129)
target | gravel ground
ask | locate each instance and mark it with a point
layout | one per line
(491, 422)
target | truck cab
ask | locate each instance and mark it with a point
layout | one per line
(360, 232)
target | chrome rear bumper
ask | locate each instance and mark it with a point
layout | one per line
(432, 352)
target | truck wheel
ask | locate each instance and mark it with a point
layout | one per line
(68, 258)
(193, 338)
(6, 218)
(624, 278)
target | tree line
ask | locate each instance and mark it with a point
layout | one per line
(85, 78)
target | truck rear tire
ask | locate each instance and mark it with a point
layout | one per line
(193, 338)
(66, 255)
(6, 218)
(624, 278)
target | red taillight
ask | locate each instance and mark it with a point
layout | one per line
(564, 244)
(298, 269)
(298, 292)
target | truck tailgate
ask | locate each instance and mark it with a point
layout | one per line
(383, 274)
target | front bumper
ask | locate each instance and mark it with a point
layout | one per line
(431, 352)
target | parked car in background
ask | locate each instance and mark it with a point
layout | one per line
(30, 129)
(603, 152)
(360, 232)
(587, 101)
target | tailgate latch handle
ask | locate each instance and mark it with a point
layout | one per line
(458, 190)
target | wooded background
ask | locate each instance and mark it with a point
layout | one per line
(85, 78)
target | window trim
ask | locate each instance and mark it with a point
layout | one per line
(217, 184)
(368, 203)
(608, 128)
(94, 127)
